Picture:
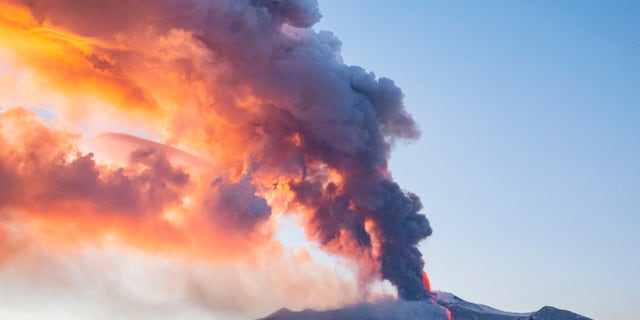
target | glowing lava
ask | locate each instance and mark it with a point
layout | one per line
(448, 312)
(434, 296)
(425, 281)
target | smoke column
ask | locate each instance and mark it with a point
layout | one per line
(248, 86)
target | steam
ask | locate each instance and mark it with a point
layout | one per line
(247, 84)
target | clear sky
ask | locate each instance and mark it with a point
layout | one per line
(528, 161)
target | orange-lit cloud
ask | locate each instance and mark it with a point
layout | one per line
(244, 113)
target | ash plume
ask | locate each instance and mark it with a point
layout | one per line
(247, 84)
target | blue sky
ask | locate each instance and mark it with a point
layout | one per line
(528, 161)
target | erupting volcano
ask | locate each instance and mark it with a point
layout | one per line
(168, 136)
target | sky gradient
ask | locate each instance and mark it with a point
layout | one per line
(528, 160)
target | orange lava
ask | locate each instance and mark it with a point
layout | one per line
(449, 316)
(427, 285)
(425, 281)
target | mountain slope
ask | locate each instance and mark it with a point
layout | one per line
(433, 309)
(388, 310)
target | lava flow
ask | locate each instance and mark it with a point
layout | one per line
(426, 282)
(434, 296)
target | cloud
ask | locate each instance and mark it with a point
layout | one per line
(278, 122)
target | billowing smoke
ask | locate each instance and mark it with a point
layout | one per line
(285, 125)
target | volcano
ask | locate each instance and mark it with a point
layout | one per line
(432, 309)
